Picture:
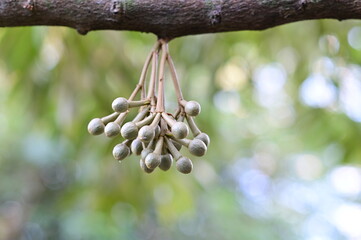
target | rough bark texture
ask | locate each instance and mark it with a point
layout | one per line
(172, 18)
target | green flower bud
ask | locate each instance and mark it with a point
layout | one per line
(192, 108)
(129, 131)
(180, 130)
(120, 104)
(144, 167)
(152, 160)
(146, 134)
(197, 147)
(184, 165)
(121, 151)
(165, 162)
(136, 147)
(96, 126)
(112, 129)
(204, 138)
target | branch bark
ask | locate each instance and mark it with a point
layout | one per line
(172, 18)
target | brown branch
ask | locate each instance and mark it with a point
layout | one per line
(172, 18)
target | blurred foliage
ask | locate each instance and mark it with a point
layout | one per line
(282, 108)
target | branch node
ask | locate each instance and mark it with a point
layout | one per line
(215, 14)
(30, 5)
(215, 17)
(287, 12)
(117, 7)
(302, 4)
(82, 30)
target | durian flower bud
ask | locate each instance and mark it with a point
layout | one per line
(179, 129)
(112, 129)
(121, 151)
(136, 147)
(166, 161)
(192, 108)
(184, 165)
(96, 126)
(129, 131)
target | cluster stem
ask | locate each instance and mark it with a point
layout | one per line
(160, 103)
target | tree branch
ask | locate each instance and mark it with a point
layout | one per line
(172, 18)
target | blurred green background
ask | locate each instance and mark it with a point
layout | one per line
(282, 108)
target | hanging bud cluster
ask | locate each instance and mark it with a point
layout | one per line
(155, 135)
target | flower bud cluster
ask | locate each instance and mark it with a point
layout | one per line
(154, 134)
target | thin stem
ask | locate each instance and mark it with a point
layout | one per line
(135, 92)
(153, 77)
(120, 119)
(138, 103)
(168, 119)
(180, 117)
(159, 146)
(172, 149)
(109, 118)
(177, 112)
(141, 114)
(192, 125)
(151, 144)
(143, 93)
(147, 62)
(160, 102)
(145, 121)
(163, 127)
(185, 142)
(156, 120)
(173, 73)
(142, 78)
(127, 142)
